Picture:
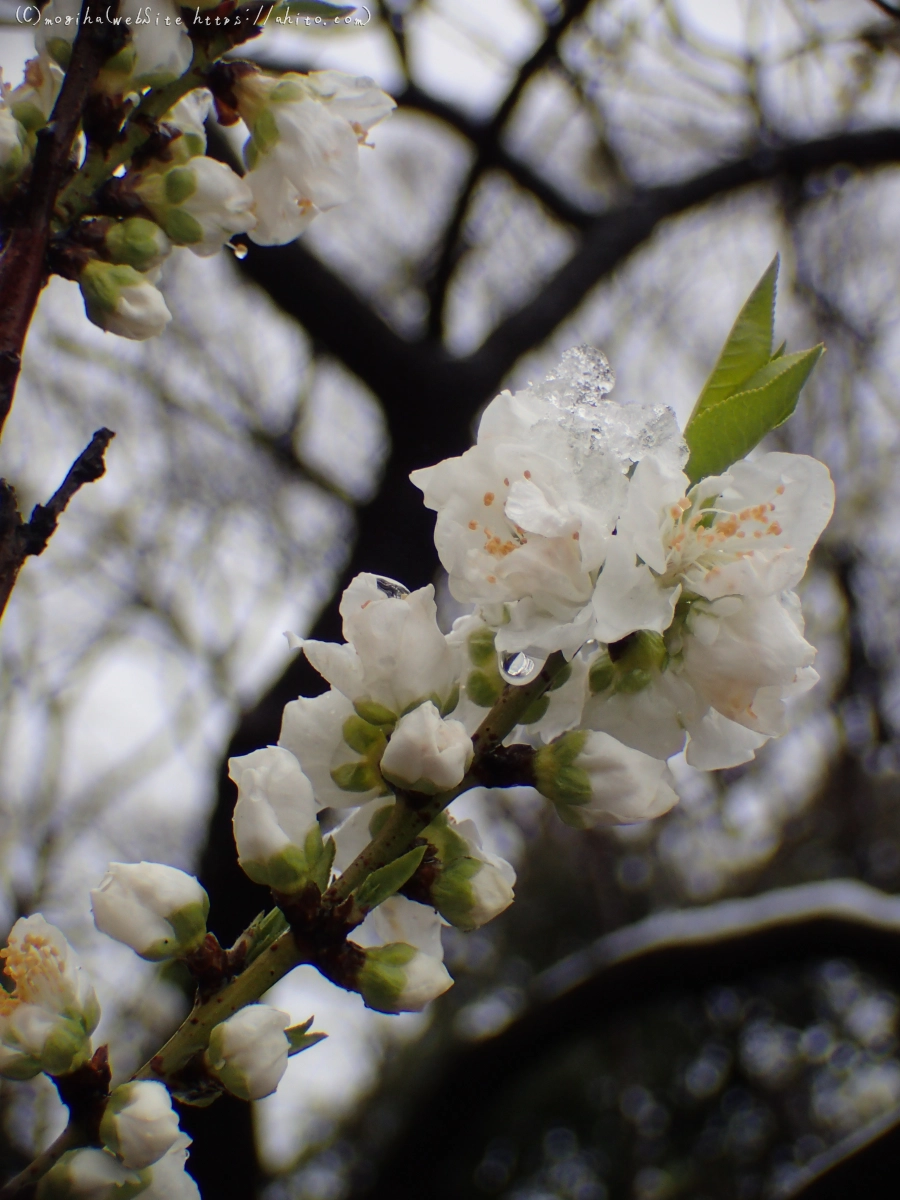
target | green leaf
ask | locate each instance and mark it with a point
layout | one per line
(747, 348)
(299, 1039)
(729, 429)
(263, 931)
(387, 881)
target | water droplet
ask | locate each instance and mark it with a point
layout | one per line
(519, 668)
(391, 588)
(238, 249)
(589, 648)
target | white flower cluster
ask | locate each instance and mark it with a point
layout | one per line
(301, 155)
(570, 527)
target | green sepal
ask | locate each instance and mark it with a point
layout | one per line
(357, 777)
(451, 892)
(481, 647)
(601, 674)
(265, 131)
(563, 675)
(728, 430)
(181, 227)
(535, 710)
(747, 348)
(555, 773)
(446, 707)
(299, 1039)
(189, 925)
(388, 880)
(375, 713)
(382, 977)
(134, 242)
(484, 688)
(60, 51)
(180, 185)
(631, 682)
(364, 737)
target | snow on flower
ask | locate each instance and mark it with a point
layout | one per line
(526, 516)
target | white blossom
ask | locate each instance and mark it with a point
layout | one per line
(315, 729)
(91, 1174)
(157, 51)
(48, 1017)
(188, 117)
(302, 155)
(526, 516)
(748, 532)
(248, 1053)
(275, 828)
(122, 301)
(157, 910)
(31, 103)
(169, 1179)
(200, 203)
(593, 779)
(139, 1125)
(395, 657)
(734, 663)
(427, 753)
(403, 968)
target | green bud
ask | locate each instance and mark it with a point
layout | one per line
(137, 242)
(452, 894)
(91, 1172)
(382, 977)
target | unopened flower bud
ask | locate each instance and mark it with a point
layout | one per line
(470, 886)
(594, 780)
(200, 204)
(31, 103)
(159, 911)
(248, 1053)
(91, 1174)
(48, 1017)
(275, 828)
(139, 1125)
(169, 1180)
(188, 117)
(427, 753)
(120, 300)
(138, 243)
(399, 978)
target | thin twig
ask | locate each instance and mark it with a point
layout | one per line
(19, 539)
(22, 264)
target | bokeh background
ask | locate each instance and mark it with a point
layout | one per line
(696, 1007)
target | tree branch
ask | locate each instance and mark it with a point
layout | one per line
(693, 947)
(22, 263)
(19, 539)
(484, 158)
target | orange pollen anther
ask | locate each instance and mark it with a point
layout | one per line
(527, 474)
(489, 498)
(473, 524)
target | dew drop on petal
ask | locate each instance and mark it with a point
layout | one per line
(519, 668)
(239, 250)
(391, 588)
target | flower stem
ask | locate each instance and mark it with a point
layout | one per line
(193, 1035)
(73, 1135)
